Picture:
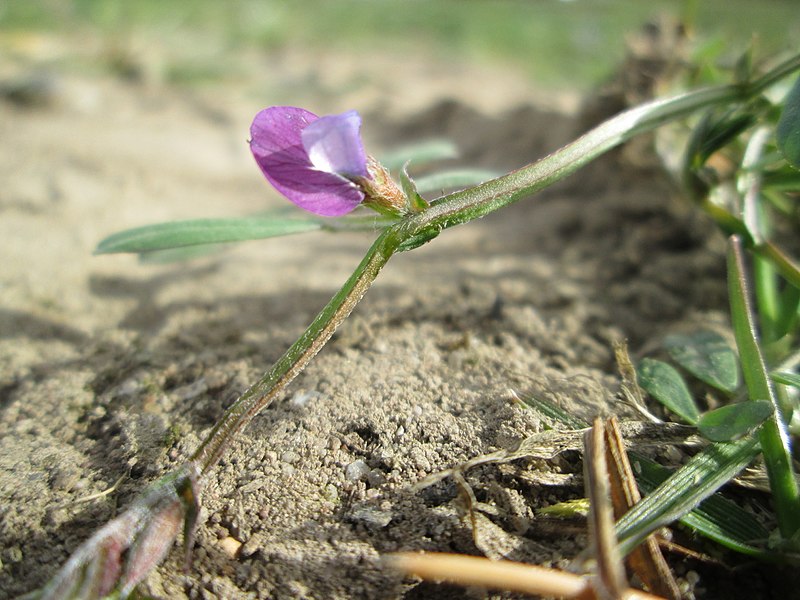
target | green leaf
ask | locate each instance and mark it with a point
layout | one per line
(171, 255)
(457, 178)
(685, 489)
(666, 385)
(551, 411)
(717, 518)
(735, 420)
(203, 231)
(743, 69)
(788, 311)
(707, 356)
(792, 379)
(788, 130)
(723, 132)
(417, 202)
(568, 509)
(422, 238)
(784, 180)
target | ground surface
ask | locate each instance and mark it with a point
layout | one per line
(110, 369)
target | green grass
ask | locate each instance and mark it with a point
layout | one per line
(556, 43)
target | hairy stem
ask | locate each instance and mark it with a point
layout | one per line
(261, 393)
(454, 209)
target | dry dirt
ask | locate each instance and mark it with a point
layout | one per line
(110, 369)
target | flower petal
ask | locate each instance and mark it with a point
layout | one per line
(277, 146)
(333, 144)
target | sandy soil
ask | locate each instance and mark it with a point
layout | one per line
(110, 369)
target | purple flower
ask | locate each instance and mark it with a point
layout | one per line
(316, 162)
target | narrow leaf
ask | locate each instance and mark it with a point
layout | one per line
(717, 518)
(203, 231)
(666, 385)
(171, 255)
(734, 421)
(569, 509)
(685, 489)
(707, 356)
(788, 131)
(788, 311)
(551, 411)
(792, 379)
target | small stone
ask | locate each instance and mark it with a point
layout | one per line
(290, 457)
(250, 547)
(231, 546)
(356, 470)
(376, 478)
(330, 493)
(371, 517)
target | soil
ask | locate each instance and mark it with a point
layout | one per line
(112, 371)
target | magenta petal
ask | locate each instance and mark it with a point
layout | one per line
(333, 144)
(276, 143)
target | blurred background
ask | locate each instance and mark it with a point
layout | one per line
(114, 113)
(558, 45)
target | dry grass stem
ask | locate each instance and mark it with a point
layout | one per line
(646, 560)
(505, 575)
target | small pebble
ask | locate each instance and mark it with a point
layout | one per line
(356, 470)
(290, 457)
(230, 545)
(376, 478)
(371, 517)
(330, 493)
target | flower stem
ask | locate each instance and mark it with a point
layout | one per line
(261, 393)
(455, 209)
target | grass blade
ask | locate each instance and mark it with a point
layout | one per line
(788, 131)
(685, 489)
(792, 379)
(773, 435)
(716, 518)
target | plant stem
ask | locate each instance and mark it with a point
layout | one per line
(454, 209)
(773, 437)
(261, 393)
